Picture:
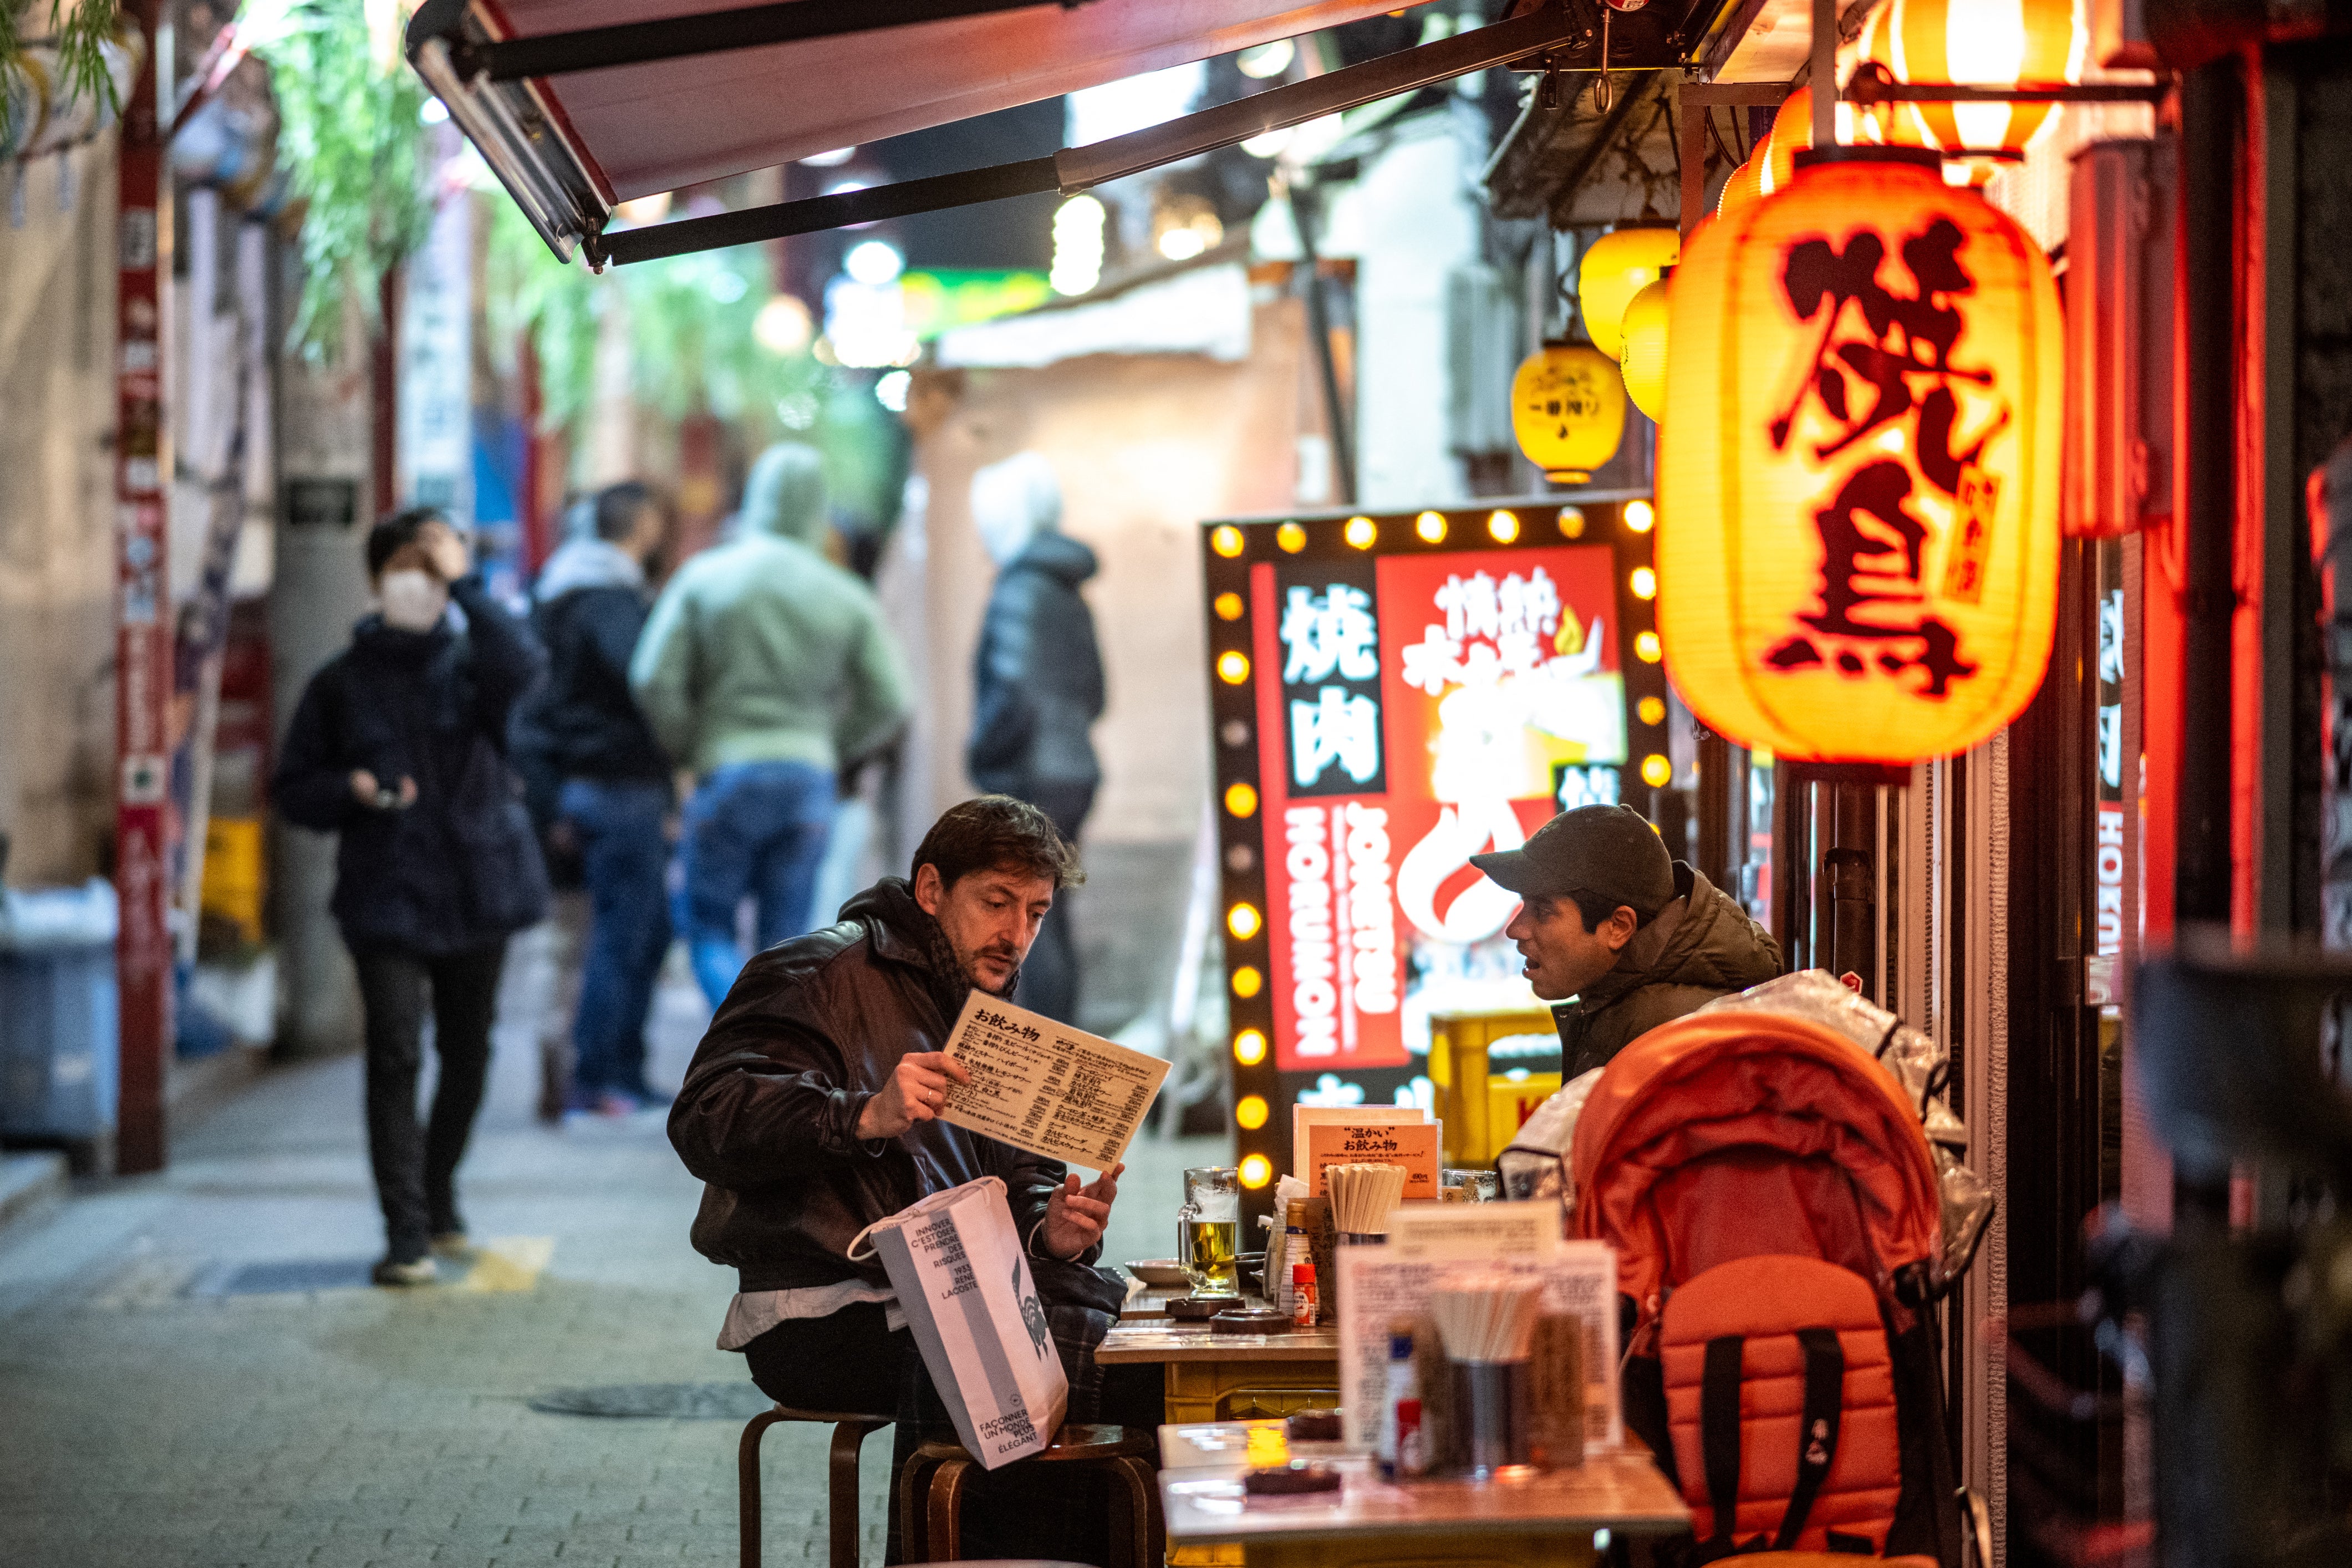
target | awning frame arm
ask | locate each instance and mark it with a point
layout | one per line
(708, 33)
(1076, 169)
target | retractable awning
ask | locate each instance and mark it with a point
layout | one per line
(579, 105)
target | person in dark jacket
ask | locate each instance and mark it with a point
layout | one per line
(1623, 934)
(810, 1110)
(1038, 676)
(398, 746)
(615, 798)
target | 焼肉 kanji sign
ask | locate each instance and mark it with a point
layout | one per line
(1858, 470)
(1414, 709)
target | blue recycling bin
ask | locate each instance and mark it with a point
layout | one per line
(58, 1036)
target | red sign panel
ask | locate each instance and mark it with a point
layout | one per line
(1413, 710)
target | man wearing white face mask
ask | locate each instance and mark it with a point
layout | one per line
(399, 747)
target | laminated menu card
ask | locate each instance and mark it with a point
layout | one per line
(1045, 1087)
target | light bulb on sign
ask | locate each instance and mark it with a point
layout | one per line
(1363, 533)
(1226, 540)
(1229, 606)
(1249, 1048)
(1251, 1113)
(1240, 800)
(1232, 668)
(1244, 921)
(1503, 528)
(1256, 1171)
(1430, 527)
(1249, 982)
(1291, 537)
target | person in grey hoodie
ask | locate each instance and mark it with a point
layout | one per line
(765, 668)
(1039, 679)
(615, 798)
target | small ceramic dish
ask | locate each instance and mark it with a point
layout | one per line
(1197, 1308)
(1158, 1271)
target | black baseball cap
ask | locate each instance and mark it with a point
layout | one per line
(1608, 851)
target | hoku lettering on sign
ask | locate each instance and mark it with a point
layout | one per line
(1883, 373)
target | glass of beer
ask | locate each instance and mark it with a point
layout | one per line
(1208, 1229)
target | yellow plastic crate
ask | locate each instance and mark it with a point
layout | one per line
(1481, 1109)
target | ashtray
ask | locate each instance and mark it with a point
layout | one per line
(1250, 1320)
(1198, 1308)
(1291, 1480)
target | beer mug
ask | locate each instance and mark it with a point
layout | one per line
(1208, 1229)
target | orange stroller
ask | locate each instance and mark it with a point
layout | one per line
(1783, 1227)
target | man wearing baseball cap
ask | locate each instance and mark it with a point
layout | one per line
(1619, 932)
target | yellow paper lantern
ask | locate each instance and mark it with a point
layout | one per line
(1567, 409)
(1858, 473)
(1975, 43)
(1645, 350)
(1615, 268)
(1743, 190)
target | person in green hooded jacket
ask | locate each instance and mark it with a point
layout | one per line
(764, 669)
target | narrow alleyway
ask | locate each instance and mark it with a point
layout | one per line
(190, 1375)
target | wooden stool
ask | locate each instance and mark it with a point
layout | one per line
(849, 1434)
(930, 1494)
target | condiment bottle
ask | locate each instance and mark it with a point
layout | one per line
(1402, 1451)
(1302, 1287)
(1293, 1246)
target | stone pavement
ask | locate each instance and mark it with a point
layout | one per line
(148, 1419)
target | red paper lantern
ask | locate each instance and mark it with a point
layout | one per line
(1858, 468)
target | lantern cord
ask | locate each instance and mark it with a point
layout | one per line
(1603, 94)
(1730, 159)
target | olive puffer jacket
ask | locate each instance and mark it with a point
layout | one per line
(1699, 947)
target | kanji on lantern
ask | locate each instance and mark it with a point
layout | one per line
(1858, 479)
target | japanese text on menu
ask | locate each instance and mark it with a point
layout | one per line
(1046, 1088)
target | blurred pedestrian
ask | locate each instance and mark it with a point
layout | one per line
(614, 798)
(399, 746)
(765, 669)
(1039, 686)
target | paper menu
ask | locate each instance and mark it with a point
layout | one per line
(1044, 1087)
(1414, 1145)
(1378, 1287)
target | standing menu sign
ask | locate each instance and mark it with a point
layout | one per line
(1046, 1088)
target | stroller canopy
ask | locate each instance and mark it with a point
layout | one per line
(1730, 1134)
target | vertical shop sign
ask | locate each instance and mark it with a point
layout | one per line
(437, 384)
(144, 826)
(2107, 851)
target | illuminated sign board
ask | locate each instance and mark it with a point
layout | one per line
(1393, 694)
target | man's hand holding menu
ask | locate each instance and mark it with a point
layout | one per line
(1051, 1090)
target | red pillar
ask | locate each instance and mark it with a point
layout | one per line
(142, 682)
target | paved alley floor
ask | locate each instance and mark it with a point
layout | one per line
(151, 1414)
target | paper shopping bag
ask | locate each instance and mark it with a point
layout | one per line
(955, 1262)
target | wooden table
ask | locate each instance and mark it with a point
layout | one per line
(1213, 1376)
(1548, 1518)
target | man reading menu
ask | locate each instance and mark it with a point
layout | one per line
(811, 1109)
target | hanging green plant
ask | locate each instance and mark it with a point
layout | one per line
(79, 33)
(355, 150)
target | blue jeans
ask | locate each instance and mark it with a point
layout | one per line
(756, 829)
(625, 861)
